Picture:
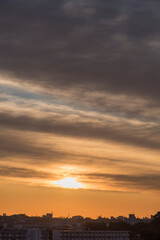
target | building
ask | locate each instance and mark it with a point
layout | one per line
(13, 234)
(132, 219)
(48, 216)
(90, 235)
(37, 234)
(24, 234)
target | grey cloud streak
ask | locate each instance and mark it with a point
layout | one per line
(19, 147)
(6, 171)
(117, 132)
(22, 147)
(150, 181)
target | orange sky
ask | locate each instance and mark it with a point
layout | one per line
(79, 100)
(34, 200)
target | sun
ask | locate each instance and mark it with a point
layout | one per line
(68, 183)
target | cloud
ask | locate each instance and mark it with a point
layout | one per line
(89, 45)
(22, 147)
(109, 131)
(79, 85)
(143, 182)
(6, 171)
(118, 182)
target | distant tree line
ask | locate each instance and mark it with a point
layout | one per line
(139, 231)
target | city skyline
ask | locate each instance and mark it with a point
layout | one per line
(80, 107)
(52, 215)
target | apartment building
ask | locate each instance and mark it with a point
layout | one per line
(90, 235)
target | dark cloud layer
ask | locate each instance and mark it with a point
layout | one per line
(122, 133)
(6, 171)
(150, 181)
(17, 146)
(103, 45)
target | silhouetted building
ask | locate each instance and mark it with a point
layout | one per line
(8, 234)
(90, 235)
(22, 234)
(48, 216)
(132, 219)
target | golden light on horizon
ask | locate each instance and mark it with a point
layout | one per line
(68, 183)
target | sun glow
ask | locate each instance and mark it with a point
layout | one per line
(68, 183)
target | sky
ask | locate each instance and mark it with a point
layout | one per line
(80, 102)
